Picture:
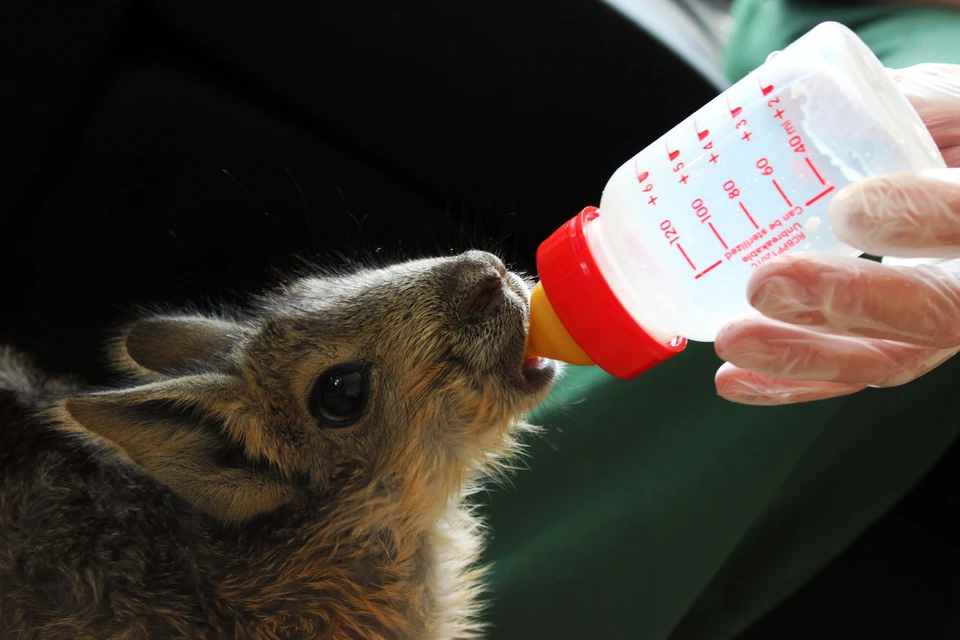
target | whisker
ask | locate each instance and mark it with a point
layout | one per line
(347, 211)
(306, 211)
(259, 206)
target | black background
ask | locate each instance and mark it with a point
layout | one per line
(410, 128)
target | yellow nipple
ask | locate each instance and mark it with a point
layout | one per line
(547, 337)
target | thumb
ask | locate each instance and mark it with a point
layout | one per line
(934, 91)
(905, 215)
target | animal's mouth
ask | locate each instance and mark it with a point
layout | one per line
(510, 294)
(537, 373)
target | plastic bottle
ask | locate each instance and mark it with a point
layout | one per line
(748, 177)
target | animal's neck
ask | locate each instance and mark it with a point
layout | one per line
(365, 562)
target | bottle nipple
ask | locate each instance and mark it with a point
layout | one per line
(547, 337)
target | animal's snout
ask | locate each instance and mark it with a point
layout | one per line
(480, 282)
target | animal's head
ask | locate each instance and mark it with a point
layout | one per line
(412, 375)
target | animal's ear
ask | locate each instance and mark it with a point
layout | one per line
(176, 430)
(167, 345)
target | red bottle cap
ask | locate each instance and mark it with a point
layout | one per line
(588, 308)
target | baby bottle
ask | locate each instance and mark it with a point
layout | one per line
(667, 255)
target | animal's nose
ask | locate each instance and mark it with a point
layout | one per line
(480, 277)
(484, 300)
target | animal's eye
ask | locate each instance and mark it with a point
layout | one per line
(339, 396)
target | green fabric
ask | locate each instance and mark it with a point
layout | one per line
(900, 36)
(652, 509)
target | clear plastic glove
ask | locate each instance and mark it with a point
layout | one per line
(831, 326)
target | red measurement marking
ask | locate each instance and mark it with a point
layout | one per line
(789, 204)
(684, 179)
(643, 176)
(749, 217)
(689, 261)
(820, 195)
(701, 134)
(778, 114)
(815, 172)
(734, 111)
(746, 136)
(652, 200)
(708, 269)
(713, 158)
(767, 90)
(673, 154)
(717, 233)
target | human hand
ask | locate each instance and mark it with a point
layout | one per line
(832, 325)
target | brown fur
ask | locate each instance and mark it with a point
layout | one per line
(204, 500)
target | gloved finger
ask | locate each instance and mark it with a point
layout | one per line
(793, 353)
(854, 297)
(934, 91)
(749, 387)
(906, 215)
(951, 155)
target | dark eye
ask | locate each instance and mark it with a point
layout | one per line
(339, 396)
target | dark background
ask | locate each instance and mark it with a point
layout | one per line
(358, 129)
(411, 128)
